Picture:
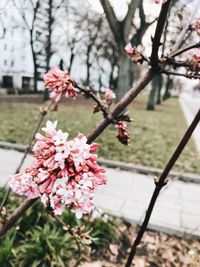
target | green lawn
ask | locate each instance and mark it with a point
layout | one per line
(154, 134)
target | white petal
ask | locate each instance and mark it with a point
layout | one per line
(78, 214)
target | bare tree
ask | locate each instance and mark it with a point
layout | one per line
(32, 14)
(28, 10)
(121, 31)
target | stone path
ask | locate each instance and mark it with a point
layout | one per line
(190, 103)
(127, 195)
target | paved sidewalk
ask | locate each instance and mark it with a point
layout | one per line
(190, 104)
(127, 195)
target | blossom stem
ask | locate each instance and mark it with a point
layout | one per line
(25, 205)
(181, 74)
(154, 61)
(181, 51)
(88, 93)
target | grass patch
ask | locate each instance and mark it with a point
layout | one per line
(154, 134)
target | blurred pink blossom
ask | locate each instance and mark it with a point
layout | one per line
(60, 83)
(109, 94)
(160, 1)
(133, 53)
(129, 49)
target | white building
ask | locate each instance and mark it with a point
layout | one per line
(16, 61)
(16, 67)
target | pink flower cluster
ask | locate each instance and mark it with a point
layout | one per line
(60, 83)
(129, 50)
(193, 58)
(196, 26)
(65, 172)
(160, 1)
(109, 95)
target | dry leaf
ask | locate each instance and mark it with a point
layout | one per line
(114, 249)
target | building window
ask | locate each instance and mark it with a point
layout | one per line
(5, 62)
(7, 82)
(5, 46)
(26, 83)
(12, 63)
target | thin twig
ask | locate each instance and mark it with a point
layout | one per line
(176, 63)
(157, 36)
(28, 149)
(25, 205)
(90, 94)
(185, 28)
(183, 50)
(64, 225)
(189, 76)
(161, 183)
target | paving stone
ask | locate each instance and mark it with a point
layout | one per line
(190, 195)
(109, 203)
(170, 203)
(119, 178)
(190, 221)
(166, 216)
(133, 210)
(191, 207)
(190, 105)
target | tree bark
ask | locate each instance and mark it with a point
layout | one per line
(167, 88)
(35, 74)
(125, 77)
(152, 94)
(49, 48)
(121, 30)
(160, 82)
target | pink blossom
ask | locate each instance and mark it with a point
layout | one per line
(129, 49)
(193, 58)
(160, 1)
(196, 26)
(109, 94)
(133, 53)
(50, 127)
(23, 184)
(65, 173)
(60, 83)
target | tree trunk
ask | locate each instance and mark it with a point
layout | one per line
(152, 94)
(48, 48)
(160, 82)
(125, 76)
(167, 88)
(35, 77)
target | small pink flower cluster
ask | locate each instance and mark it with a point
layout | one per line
(64, 174)
(109, 95)
(130, 50)
(133, 53)
(193, 58)
(60, 83)
(196, 26)
(160, 1)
